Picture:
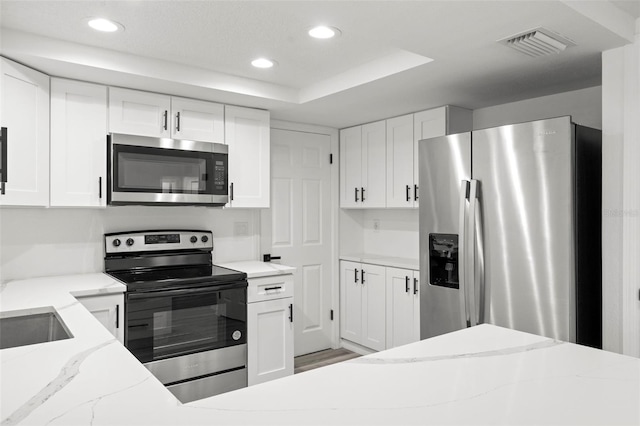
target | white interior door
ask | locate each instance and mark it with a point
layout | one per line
(297, 228)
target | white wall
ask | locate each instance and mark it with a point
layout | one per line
(41, 242)
(396, 234)
(584, 106)
(621, 198)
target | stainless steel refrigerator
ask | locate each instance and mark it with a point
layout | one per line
(510, 230)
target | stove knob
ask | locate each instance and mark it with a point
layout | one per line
(129, 242)
(193, 239)
(204, 238)
(116, 242)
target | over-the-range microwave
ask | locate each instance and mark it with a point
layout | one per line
(161, 171)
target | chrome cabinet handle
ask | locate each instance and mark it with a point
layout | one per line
(356, 194)
(355, 279)
(165, 116)
(177, 121)
(362, 277)
(415, 192)
(362, 193)
(415, 286)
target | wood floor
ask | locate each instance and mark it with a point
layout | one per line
(321, 359)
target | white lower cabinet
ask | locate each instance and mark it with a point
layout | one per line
(109, 310)
(403, 306)
(269, 328)
(362, 304)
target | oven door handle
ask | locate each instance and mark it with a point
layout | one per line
(183, 292)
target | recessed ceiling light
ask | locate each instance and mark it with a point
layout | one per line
(263, 63)
(324, 32)
(104, 25)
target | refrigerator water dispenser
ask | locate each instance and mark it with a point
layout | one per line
(443, 260)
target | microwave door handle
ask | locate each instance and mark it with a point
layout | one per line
(462, 258)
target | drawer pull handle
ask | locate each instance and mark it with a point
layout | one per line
(273, 288)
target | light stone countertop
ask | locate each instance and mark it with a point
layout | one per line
(256, 269)
(482, 375)
(376, 259)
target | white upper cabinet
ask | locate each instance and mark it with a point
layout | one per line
(139, 113)
(379, 161)
(151, 114)
(401, 187)
(247, 132)
(24, 112)
(362, 166)
(197, 120)
(78, 144)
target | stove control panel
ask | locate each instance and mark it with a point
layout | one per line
(127, 242)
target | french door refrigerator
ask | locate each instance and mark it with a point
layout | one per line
(510, 221)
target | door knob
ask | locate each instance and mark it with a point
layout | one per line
(268, 258)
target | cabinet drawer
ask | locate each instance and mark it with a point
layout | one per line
(269, 288)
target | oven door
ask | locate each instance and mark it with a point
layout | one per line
(145, 170)
(170, 323)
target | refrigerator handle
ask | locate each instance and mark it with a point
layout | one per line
(472, 288)
(480, 285)
(462, 258)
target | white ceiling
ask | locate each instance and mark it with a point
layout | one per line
(393, 57)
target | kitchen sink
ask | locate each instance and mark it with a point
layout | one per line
(21, 328)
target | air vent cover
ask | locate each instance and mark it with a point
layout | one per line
(537, 42)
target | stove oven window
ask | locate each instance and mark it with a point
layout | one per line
(163, 326)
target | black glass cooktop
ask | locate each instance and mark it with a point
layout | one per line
(180, 277)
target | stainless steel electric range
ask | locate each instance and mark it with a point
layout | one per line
(186, 319)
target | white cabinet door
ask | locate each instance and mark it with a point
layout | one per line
(78, 144)
(374, 180)
(139, 113)
(373, 307)
(362, 304)
(24, 111)
(427, 124)
(403, 307)
(248, 136)
(350, 301)
(269, 340)
(197, 120)
(109, 310)
(350, 166)
(400, 162)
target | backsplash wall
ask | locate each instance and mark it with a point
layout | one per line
(42, 242)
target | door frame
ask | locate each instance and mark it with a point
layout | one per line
(335, 209)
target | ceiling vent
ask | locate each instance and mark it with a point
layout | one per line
(537, 42)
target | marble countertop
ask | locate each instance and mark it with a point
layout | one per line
(256, 269)
(376, 259)
(482, 375)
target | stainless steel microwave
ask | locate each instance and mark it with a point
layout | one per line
(162, 171)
